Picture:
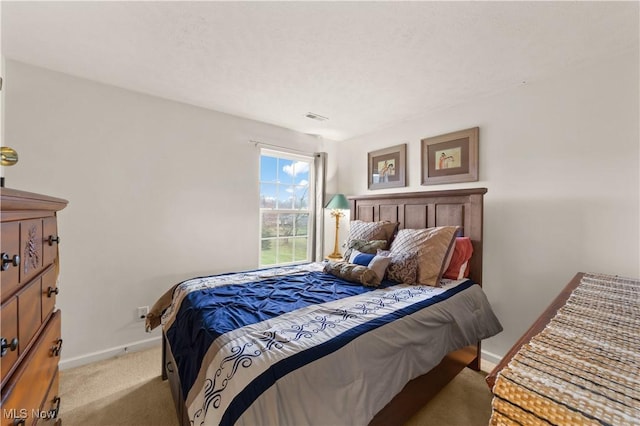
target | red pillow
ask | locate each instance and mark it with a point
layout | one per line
(459, 265)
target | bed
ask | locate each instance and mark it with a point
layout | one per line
(579, 363)
(362, 355)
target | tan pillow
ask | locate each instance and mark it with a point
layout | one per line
(155, 314)
(364, 246)
(387, 231)
(351, 272)
(432, 246)
(361, 230)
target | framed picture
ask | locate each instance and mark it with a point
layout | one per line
(387, 167)
(450, 158)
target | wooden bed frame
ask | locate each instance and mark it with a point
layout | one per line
(412, 210)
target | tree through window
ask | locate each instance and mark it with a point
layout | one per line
(286, 205)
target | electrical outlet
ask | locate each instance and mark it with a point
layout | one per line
(142, 312)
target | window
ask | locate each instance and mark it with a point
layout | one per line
(286, 208)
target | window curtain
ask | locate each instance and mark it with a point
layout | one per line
(320, 165)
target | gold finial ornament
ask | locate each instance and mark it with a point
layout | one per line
(8, 156)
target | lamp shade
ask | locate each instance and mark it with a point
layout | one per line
(338, 202)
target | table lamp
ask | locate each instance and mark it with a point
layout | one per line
(338, 204)
(8, 157)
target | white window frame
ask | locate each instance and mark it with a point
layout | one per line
(310, 210)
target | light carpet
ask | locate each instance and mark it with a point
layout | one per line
(128, 391)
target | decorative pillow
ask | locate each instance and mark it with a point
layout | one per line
(154, 316)
(360, 230)
(364, 246)
(459, 264)
(403, 267)
(355, 273)
(450, 255)
(377, 264)
(432, 246)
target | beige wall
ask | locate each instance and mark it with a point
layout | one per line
(158, 192)
(560, 158)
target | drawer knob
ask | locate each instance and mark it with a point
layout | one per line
(55, 350)
(8, 261)
(53, 239)
(52, 290)
(5, 346)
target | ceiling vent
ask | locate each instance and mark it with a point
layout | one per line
(315, 116)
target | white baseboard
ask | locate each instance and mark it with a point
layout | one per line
(489, 361)
(109, 353)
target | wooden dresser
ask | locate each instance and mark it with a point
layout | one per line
(29, 322)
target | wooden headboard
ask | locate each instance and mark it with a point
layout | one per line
(417, 210)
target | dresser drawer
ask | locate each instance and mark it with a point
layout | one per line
(49, 292)
(9, 332)
(50, 240)
(51, 406)
(29, 313)
(24, 395)
(10, 248)
(23, 316)
(30, 248)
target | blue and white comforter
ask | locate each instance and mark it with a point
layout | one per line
(293, 345)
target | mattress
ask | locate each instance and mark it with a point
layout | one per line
(293, 345)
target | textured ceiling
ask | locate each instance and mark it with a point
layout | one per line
(364, 65)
